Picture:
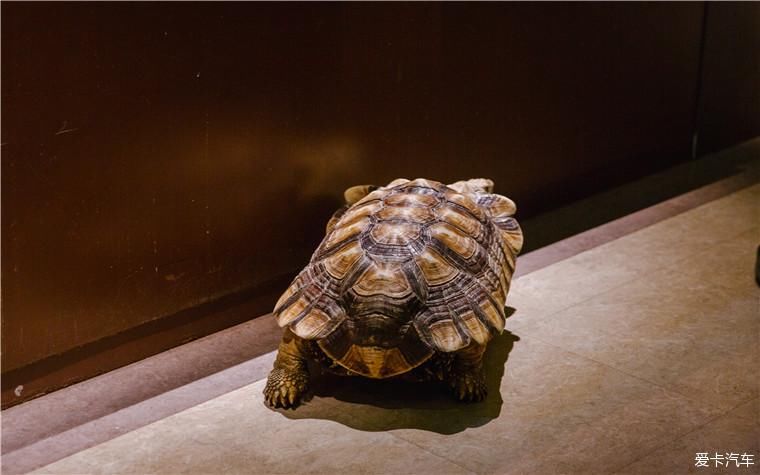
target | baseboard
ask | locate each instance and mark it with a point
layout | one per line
(106, 354)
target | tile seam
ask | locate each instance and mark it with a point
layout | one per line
(442, 457)
(690, 431)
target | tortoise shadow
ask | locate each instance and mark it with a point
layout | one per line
(381, 405)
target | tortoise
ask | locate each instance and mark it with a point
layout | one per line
(409, 281)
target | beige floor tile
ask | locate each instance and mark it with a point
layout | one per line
(236, 433)
(736, 432)
(691, 328)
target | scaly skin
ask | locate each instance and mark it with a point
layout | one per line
(466, 378)
(289, 379)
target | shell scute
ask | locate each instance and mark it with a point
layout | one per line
(435, 269)
(497, 206)
(355, 214)
(495, 317)
(378, 279)
(293, 311)
(343, 233)
(511, 233)
(466, 202)
(375, 361)
(398, 234)
(460, 220)
(477, 330)
(292, 290)
(446, 337)
(454, 239)
(341, 262)
(312, 324)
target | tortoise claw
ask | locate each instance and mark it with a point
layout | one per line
(469, 386)
(285, 387)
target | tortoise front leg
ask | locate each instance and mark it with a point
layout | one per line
(289, 378)
(466, 379)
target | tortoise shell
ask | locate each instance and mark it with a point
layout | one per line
(412, 268)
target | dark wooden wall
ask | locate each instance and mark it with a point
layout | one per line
(730, 100)
(159, 156)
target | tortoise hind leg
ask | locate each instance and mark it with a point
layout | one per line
(466, 377)
(288, 380)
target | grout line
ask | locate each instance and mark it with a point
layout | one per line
(442, 457)
(681, 436)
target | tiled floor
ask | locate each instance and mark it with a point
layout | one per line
(630, 357)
